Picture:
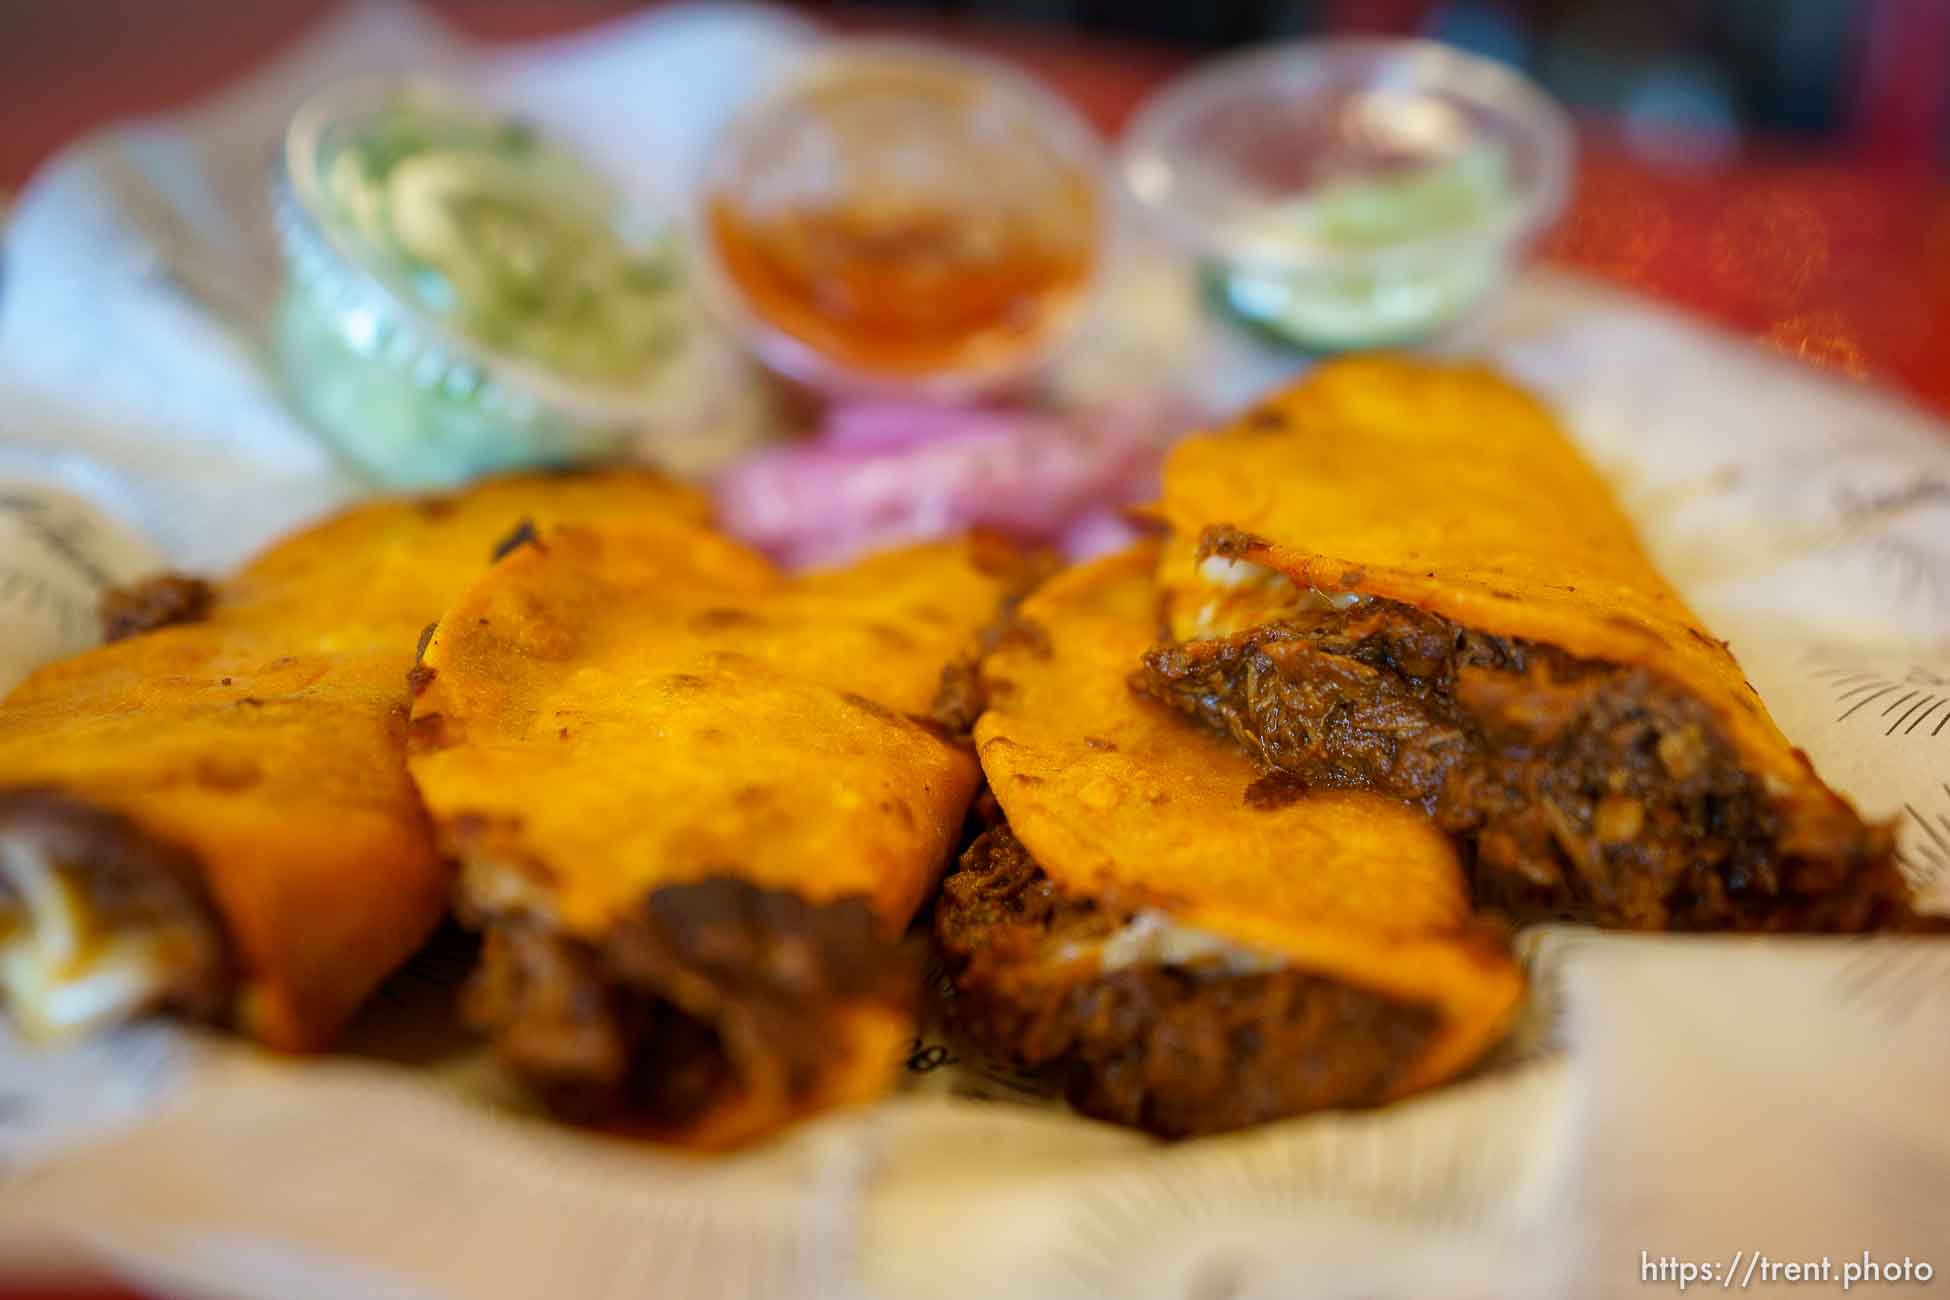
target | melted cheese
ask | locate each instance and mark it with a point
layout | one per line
(1152, 938)
(497, 888)
(60, 975)
(1239, 594)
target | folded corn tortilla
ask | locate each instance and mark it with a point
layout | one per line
(695, 808)
(1400, 576)
(1194, 945)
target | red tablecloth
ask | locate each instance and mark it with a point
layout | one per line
(1828, 259)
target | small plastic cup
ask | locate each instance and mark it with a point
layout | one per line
(405, 391)
(1351, 193)
(899, 218)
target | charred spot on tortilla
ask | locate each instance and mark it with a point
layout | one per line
(872, 708)
(426, 639)
(1711, 642)
(997, 556)
(523, 534)
(162, 601)
(721, 618)
(890, 636)
(1015, 629)
(1228, 543)
(427, 732)
(418, 678)
(900, 810)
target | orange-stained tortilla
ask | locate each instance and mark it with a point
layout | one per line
(398, 563)
(267, 739)
(1450, 489)
(1117, 796)
(614, 712)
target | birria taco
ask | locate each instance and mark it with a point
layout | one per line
(211, 813)
(694, 811)
(1193, 945)
(1401, 577)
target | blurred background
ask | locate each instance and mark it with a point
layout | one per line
(1776, 165)
(1866, 76)
(1870, 73)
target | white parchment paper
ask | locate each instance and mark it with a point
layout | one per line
(1666, 1097)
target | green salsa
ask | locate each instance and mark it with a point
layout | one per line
(461, 297)
(507, 240)
(1353, 301)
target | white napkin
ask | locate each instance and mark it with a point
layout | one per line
(1684, 1098)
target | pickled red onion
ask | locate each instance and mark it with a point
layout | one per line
(879, 473)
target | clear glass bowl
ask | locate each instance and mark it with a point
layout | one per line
(1351, 193)
(411, 394)
(899, 217)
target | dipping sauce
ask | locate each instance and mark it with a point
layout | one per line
(1351, 193)
(897, 216)
(1348, 303)
(902, 289)
(463, 296)
(508, 239)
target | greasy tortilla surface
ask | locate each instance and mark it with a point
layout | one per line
(1118, 797)
(616, 709)
(268, 739)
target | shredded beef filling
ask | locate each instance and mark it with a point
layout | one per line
(1173, 1050)
(129, 881)
(593, 1027)
(1579, 789)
